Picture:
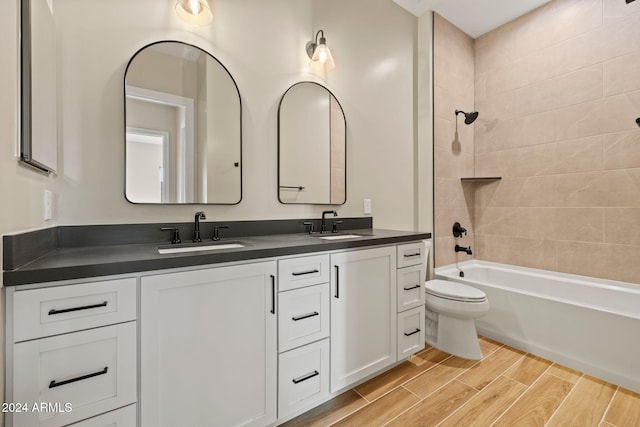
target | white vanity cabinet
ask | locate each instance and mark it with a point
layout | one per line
(71, 353)
(250, 343)
(363, 314)
(411, 274)
(208, 347)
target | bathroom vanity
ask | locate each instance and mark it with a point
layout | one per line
(250, 335)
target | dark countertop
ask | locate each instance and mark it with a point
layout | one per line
(79, 262)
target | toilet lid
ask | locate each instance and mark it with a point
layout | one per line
(454, 290)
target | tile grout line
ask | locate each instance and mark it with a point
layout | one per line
(396, 387)
(606, 411)
(497, 376)
(360, 394)
(528, 387)
(401, 385)
(406, 410)
(422, 399)
(479, 391)
(573, 387)
(558, 376)
(461, 406)
(536, 380)
(352, 412)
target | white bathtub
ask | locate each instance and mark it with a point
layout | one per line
(588, 324)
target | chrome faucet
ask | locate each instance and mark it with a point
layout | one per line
(196, 228)
(323, 225)
(463, 249)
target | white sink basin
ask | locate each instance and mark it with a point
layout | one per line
(339, 237)
(165, 250)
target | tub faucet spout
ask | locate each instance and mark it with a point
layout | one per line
(463, 249)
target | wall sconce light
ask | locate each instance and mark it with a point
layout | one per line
(318, 51)
(194, 12)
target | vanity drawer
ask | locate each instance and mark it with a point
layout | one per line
(123, 417)
(303, 377)
(410, 332)
(303, 316)
(410, 282)
(93, 371)
(50, 311)
(411, 254)
(298, 272)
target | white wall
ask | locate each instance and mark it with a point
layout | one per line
(372, 42)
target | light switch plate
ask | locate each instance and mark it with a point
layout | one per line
(367, 206)
(48, 205)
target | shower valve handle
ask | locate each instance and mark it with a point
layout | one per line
(458, 230)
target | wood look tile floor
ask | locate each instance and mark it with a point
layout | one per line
(506, 388)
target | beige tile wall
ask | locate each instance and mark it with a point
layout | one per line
(558, 91)
(453, 153)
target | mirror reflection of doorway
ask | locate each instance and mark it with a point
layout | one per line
(148, 109)
(147, 161)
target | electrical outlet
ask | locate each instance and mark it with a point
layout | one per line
(367, 206)
(48, 205)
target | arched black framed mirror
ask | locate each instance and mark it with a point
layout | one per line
(183, 127)
(312, 137)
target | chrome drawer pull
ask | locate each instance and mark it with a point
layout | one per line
(53, 383)
(306, 377)
(411, 288)
(305, 316)
(85, 307)
(302, 273)
(412, 333)
(411, 255)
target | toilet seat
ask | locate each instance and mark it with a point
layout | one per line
(454, 291)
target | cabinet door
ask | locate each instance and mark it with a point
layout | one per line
(208, 347)
(363, 314)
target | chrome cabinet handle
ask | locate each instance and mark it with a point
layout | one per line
(84, 307)
(54, 383)
(305, 377)
(302, 273)
(305, 316)
(411, 288)
(411, 333)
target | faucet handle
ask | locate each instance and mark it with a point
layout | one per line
(309, 227)
(458, 230)
(216, 231)
(176, 234)
(335, 225)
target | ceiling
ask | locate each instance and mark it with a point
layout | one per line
(474, 17)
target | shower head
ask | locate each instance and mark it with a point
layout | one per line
(638, 121)
(468, 117)
(629, 1)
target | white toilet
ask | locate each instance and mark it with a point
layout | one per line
(451, 310)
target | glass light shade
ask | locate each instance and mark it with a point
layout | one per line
(323, 55)
(194, 12)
